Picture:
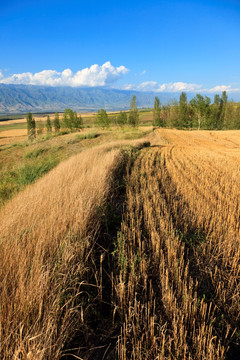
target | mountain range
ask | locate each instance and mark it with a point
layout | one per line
(33, 98)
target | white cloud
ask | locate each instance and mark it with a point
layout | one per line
(1, 74)
(180, 86)
(143, 72)
(220, 88)
(128, 87)
(95, 75)
(148, 86)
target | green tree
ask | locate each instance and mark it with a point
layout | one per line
(216, 113)
(31, 126)
(157, 121)
(225, 110)
(172, 114)
(224, 97)
(77, 121)
(40, 126)
(68, 119)
(48, 124)
(133, 118)
(56, 122)
(102, 119)
(184, 121)
(121, 119)
(201, 109)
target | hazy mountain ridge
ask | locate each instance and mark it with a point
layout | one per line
(23, 98)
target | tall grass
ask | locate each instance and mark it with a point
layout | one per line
(21, 175)
(47, 237)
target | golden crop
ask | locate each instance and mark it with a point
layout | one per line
(178, 250)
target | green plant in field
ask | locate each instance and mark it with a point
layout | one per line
(48, 125)
(56, 122)
(35, 153)
(31, 126)
(30, 172)
(14, 180)
(157, 121)
(121, 119)
(71, 120)
(119, 252)
(102, 119)
(133, 117)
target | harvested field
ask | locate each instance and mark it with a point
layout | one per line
(178, 249)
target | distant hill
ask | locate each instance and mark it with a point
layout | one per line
(23, 98)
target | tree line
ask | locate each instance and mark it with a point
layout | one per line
(198, 113)
(71, 120)
(131, 118)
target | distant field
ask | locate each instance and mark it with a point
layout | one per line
(11, 130)
(121, 244)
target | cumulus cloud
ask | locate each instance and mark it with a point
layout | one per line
(128, 87)
(1, 74)
(95, 75)
(148, 86)
(181, 86)
(220, 88)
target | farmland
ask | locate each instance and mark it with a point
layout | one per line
(126, 246)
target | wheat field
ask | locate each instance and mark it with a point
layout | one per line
(123, 252)
(178, 249)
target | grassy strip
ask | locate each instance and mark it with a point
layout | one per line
(16, 179)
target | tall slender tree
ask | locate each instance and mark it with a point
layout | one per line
(56, 122)
(77, 121)
(102, 118)
(201, 109)
(31, 126)
(157, 121)
(183, 111)
(121, 119)
(224, 110)
(48, 124)
(216, 113)
(133, 118)
(68, 119)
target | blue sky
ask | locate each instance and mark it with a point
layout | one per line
(145, 45)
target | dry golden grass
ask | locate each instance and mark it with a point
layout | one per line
(47, 235)
(11, 136)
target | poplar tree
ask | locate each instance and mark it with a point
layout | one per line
(68, 119)
(102, 119)
(157, 113)
(201, 109)
(183, 110)
(216, 115)
(48, 125)
(121, 119)
(224, 110)
(77, 121)
(133, 118)
(56, 122)
(31, 126)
